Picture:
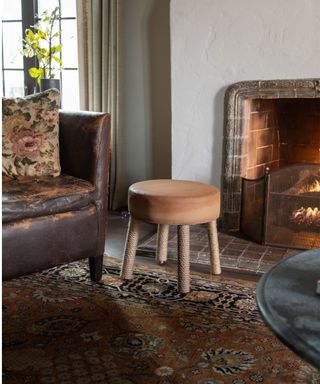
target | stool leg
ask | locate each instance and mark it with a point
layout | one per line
(130, 249)
(162, 243)
(214, 248)
(183, 258)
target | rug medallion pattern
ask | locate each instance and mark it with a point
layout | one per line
(60, 328)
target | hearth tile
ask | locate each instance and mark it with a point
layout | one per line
(233, 247)
(230, 263)
(269, 255)
(223, 245)
(257, 248)
(248, 264)
(238, 240)
(231, 254)
(264, 267)
(198, 247)
(203, 258)
(271, 251)
(250, 255)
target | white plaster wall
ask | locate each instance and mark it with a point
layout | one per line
(145, 90)
(215, 43)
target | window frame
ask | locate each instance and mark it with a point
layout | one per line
(29, 16)
(29, 10)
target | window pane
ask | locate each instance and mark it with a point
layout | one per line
(68, 8)
(12, 45)
(70, 90)
(69, 44)
(13, 81)
(45, 5)
(11, 10)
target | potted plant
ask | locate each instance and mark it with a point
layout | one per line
(43, 42)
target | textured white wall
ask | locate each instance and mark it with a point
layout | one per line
(145, 89)
(215, 43)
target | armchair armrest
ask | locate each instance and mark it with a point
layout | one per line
(85, 153)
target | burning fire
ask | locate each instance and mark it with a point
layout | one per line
(314, 187)
(306, 216)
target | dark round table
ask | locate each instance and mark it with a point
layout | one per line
(290, 306)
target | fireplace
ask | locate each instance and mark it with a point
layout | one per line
(272, 132)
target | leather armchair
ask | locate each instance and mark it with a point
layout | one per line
(49, 221)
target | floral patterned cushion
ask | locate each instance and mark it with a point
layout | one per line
(30, 137)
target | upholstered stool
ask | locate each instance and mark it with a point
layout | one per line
(172, 202)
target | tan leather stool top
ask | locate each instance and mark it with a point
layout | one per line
(174, 202)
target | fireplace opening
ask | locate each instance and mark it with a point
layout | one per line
(271, 176)
(280, 132)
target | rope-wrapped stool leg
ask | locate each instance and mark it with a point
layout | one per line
(130, 249)
(162, 243)
(214, 248)
(183, 258)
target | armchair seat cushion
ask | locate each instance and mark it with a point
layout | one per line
(26, 197)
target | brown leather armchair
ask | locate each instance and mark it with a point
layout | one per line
(49, 221)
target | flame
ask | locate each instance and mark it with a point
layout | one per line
(314, 187)
(306, 216)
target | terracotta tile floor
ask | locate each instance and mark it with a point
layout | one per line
(236, 254)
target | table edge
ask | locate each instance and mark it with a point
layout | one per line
(276, 327)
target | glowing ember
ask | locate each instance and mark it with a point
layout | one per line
(306, 217)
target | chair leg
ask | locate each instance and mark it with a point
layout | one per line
(183, 258)
(214, 248)
(130, 249)
(162, 243)
(95, 265)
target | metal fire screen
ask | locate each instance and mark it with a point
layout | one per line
(283, 208)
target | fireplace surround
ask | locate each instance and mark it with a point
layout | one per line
(269, 124)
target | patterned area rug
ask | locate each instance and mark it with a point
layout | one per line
(58, 327)
(236, 254)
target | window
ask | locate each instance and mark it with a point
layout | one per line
(17, 15)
